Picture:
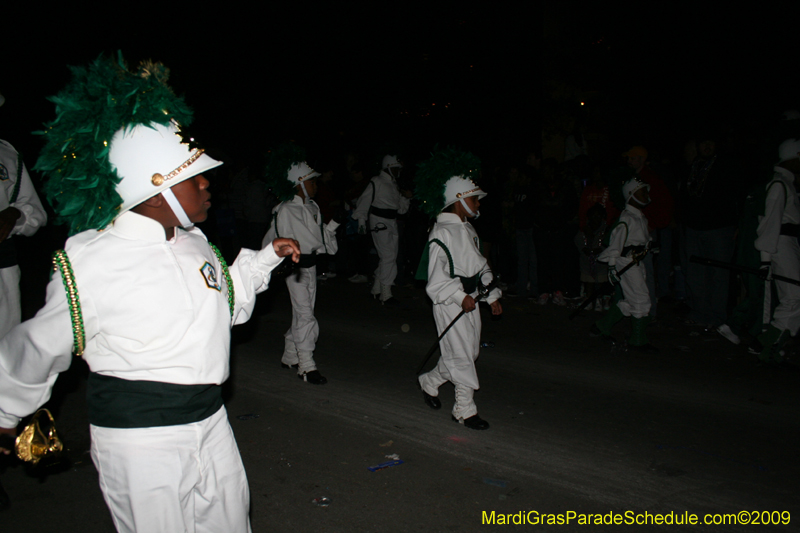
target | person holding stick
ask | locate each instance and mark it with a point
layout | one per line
(455, 271)
(628, 242)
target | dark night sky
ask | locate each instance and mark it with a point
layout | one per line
(329, 78)
(333, 78)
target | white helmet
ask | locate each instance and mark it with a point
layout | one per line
(633, 185)
(300, 172)
(391, 161)
(789, 149)
(458, 187)
(151, 159)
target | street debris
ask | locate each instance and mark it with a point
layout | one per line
(321, 502)
(382, 466)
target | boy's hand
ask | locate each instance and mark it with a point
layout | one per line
(497, 309)
(8, 219)
(468, 304)
(286, 247)
(12, 435)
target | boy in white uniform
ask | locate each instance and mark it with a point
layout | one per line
(154, 309)
(778, 231)
(298, 217)
(628, 241)
(379, 204)
(456, 269)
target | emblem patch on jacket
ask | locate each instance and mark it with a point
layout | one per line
(210, 275)
(3, 173)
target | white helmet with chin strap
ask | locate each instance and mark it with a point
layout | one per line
(391, 161)
(631, 186)
(457, 188)
(299, 173)
(153, 159)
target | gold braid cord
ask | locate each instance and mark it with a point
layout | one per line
(228, 280)
(62, 264)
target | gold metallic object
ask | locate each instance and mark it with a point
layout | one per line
(157, 179)
(39, 438)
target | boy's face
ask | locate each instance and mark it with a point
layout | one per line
(473, 203)
(311, 188)
(194, 197)
(642, 196)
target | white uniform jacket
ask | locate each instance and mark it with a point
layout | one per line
(33, 215)
(462, 242)
(630, 231)
(387, 196)
(154, 310)
(301, 221)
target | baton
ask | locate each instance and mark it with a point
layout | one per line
(481, 295)
(588, 301)
(760, 272)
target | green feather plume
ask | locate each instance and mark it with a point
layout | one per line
(102, 98)
(280, 160)
(434, 172)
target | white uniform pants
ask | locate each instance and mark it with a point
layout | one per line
(787, 263)
(9, 299)
(635, 295)
(460, 348)
(173, 479)
(301, 338)
(386, 242)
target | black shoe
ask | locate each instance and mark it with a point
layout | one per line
(473, 422)
(292, 367)
(432, 401)
(313, 377)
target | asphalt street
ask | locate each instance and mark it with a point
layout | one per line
(696, 429)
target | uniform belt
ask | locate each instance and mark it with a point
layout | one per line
(383, 213)
(470, 284)
(790, 230)
(8, 253)
(120, 403)
(307, 260)
(633, 249)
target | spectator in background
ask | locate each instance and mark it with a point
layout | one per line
(522, 198)
(556, 204)
(709, 199)
(596, 192)
(589, 242)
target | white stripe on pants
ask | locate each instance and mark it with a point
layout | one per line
(173, 478)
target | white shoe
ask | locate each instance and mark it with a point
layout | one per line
(558, 299)
(726, 332)
(543, 299)
(358, 278)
